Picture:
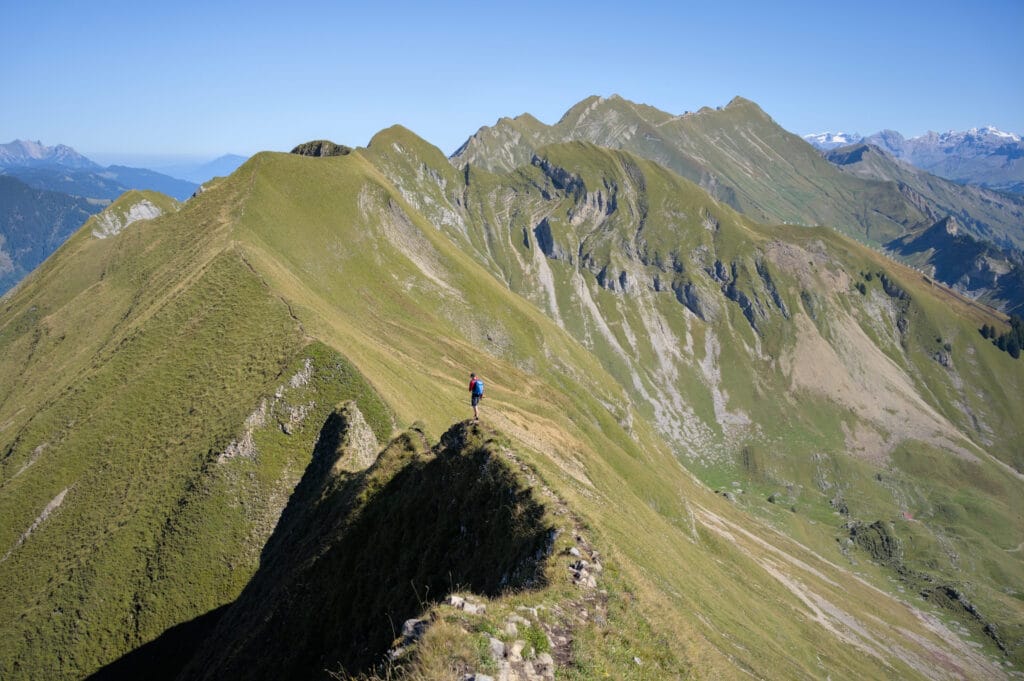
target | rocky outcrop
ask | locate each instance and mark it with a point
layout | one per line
(321, 148)
(878, 540)
(111, 222)
(546, 241)
(357, 449)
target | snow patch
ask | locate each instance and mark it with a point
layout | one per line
(831, 140)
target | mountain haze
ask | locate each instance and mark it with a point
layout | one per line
(789, 456)
(202, 172)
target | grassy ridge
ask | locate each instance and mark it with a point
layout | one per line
(607, 384)
(793, 426)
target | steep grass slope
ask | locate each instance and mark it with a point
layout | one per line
(754, 353)
(137, 369)
(708, 400)
(358, 552)
(642, 345)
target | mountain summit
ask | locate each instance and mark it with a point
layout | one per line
(24, 153)
(737, 153)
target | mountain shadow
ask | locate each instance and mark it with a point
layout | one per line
(357, 552)
(163, 658)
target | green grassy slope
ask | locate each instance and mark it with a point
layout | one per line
(806, 391)
(430, 268)
(642, 347)
(131, 364)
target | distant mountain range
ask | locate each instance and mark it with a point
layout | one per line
(984, 156)
(46, 193)
(62, 169)
(100, 183)
(976, 242)
(827, 141)
(25, 153)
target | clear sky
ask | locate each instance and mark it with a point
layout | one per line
(206, 78)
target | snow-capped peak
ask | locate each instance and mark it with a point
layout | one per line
(987, 132)
(831, 140)
(993, 131)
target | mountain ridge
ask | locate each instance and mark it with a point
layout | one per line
(742, 157)
(717, 149)
(645, 346)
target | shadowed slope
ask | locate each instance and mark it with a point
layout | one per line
(355, 555)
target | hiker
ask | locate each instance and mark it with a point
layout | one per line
(476, 393)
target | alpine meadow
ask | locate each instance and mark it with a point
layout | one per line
(723, 435)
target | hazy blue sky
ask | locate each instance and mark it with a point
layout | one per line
(206, 78)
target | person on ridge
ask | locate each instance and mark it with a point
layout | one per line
(476, 393)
